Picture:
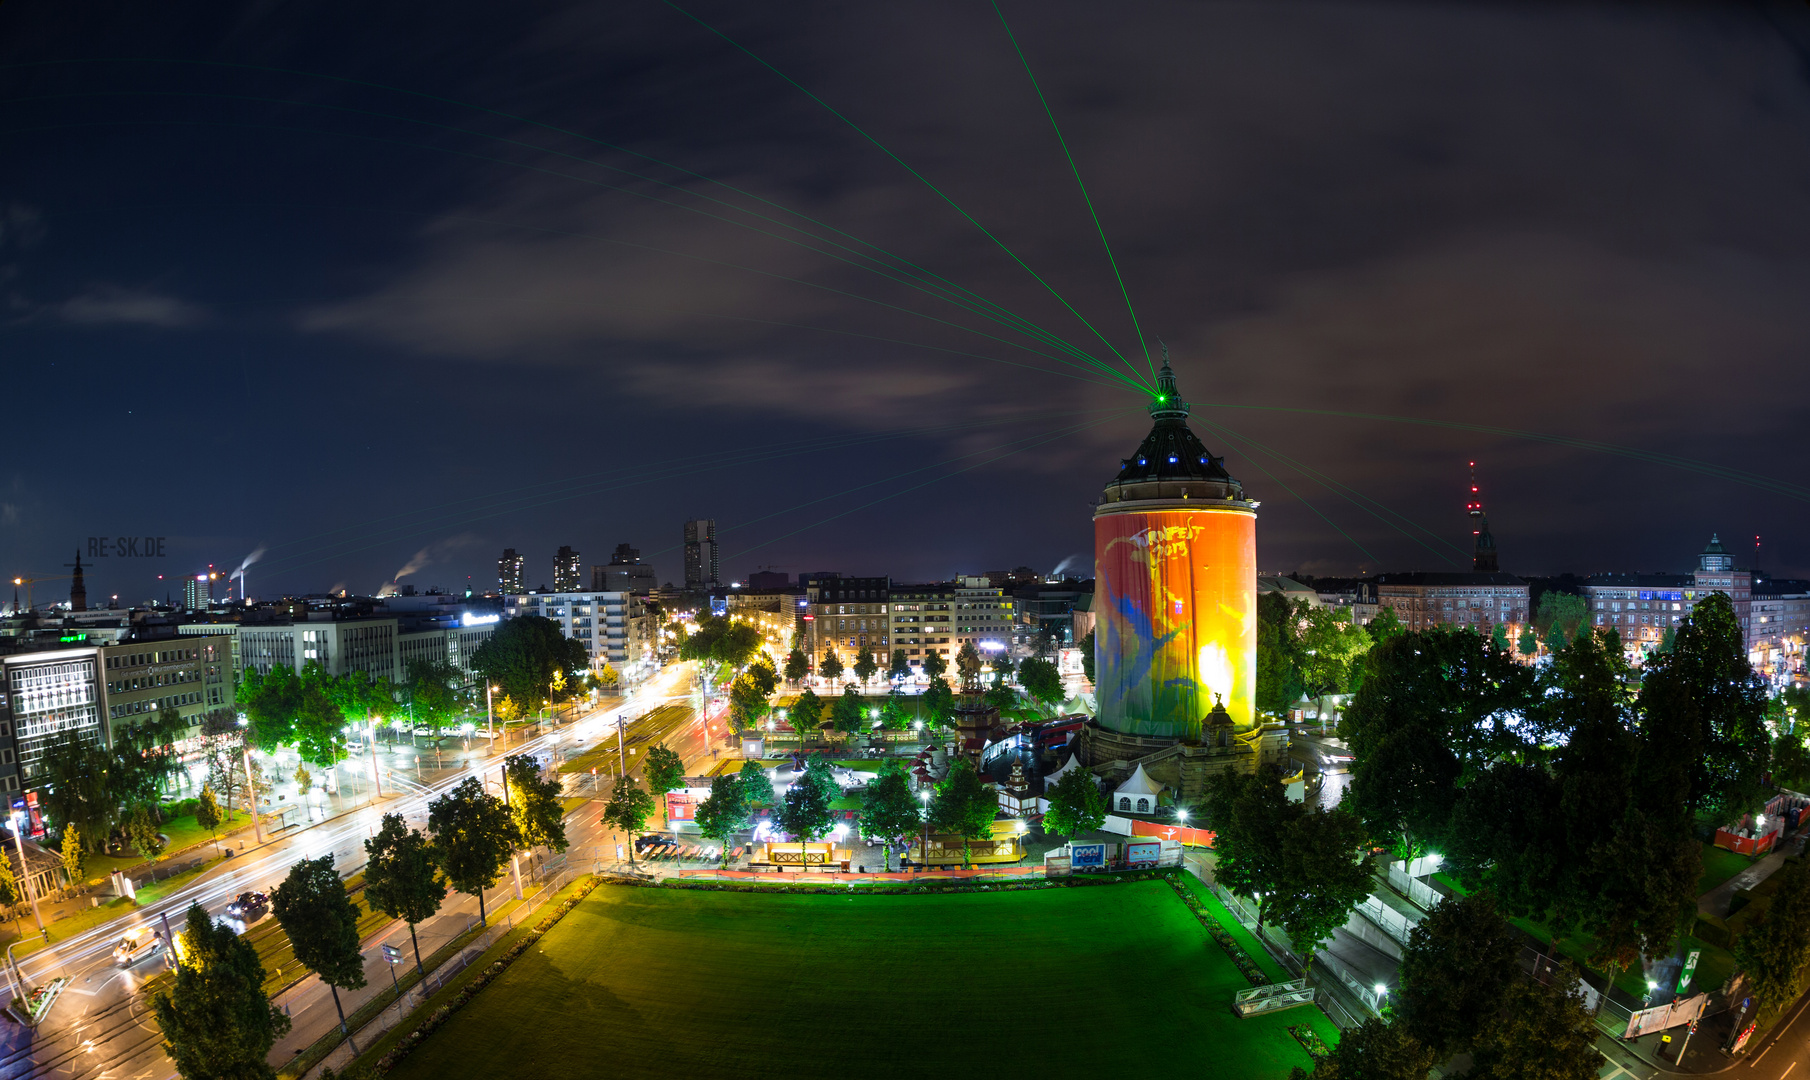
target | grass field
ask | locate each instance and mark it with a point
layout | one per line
(1720, 864)
(1117, 980)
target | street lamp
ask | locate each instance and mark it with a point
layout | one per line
(1381, 992)
(924, 851)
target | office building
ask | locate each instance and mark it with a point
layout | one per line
(198, 591)
(625, 572)
(1642, 607)
(1423, 600)
(613, 626)
(566, 570)
(509, 575)
(701, 554)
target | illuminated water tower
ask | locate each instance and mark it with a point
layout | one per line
(1175, 566)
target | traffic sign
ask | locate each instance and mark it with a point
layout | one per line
(1690, 968)
(392, 954)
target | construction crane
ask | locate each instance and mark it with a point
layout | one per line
(28, 582)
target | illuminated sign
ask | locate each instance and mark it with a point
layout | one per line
(73, 637)
(468, 619)
(1143, 853)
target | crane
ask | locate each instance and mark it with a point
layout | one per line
(28, 582)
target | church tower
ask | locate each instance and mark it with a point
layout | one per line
(78, 592)
(1483, 557)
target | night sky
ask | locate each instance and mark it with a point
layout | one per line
(377, 285)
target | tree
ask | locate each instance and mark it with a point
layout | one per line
(1374, 1050)
(207, 811)
(522, 655)
(9, 885)
(1433, 707)
(1384, 626)
(797, 666)
(900, 668)
(1087, 656)
(608, 678)
(1278, 655)
(1300, 864)
(74, 858)
(1003, 669)
(804, 813)
(321, 921)
(82, 786)
(1498, 636)
(432, 692)
(1455, 973)
(141, 832)
(1775, 947)
(723, 812)
(806, 713)
(1042, 681)
(1331, 648)
(401, 878)
(1706, 712)
(893, 716)
(1556, 640)
(665, 770)
(269, 701)
(534, 802)
(1076, 805)
(889, 811)
(938, 701)
(935, 667)
(866, 667)
(963, 805)
(747, 703)
(1542, 1033)
(217, 1022)
(1564, 612)
(722, 640)
(304, 780)
(319, 727)
(474, 836)
(761, 675)
(629, 807)
(1528, 643)
(850, 712)
(830, 667)
(756, 785)
(967, 665)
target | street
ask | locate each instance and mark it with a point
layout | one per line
(102, 1025)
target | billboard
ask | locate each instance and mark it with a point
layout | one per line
(1143, 853)
(681, 806)
(1176, 618)
(1087, 856)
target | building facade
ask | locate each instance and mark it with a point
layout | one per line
(51, 693)
(1779, 631)
(567, 569)
(701, 570)
(1641, 608)
(614, 627)
(848, 614)
(510, 575)
(625, 572)
(1477, 600)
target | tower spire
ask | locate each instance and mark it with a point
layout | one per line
(1168, 403)
(1483, 556)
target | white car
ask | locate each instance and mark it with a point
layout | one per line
(138, 943)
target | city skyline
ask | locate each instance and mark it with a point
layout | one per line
(355, 304)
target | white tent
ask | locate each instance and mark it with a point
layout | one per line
(1138, 794)
(1067, 767)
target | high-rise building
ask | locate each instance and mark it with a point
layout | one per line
(197, 591)
(701, 554)
(509, 576)
(565, 570)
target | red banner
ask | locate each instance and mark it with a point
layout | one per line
(1190, 837)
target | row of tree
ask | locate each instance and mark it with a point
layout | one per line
(1573, 791)
(215, 1016)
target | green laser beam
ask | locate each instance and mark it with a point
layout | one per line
(1095, 364)
(538, 124)
(1085, 197)
(1331, 485)
(1309, 505)
(901, 161)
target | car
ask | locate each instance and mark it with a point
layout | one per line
(137, 944)
(249, 906)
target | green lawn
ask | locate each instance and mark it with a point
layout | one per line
(1049, 983)
(1720, 864)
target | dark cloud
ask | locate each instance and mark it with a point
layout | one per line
(1583, 222)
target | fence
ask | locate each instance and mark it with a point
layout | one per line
(1386, 919)
(1414, 888)
(837, 877)
(1283, 952)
